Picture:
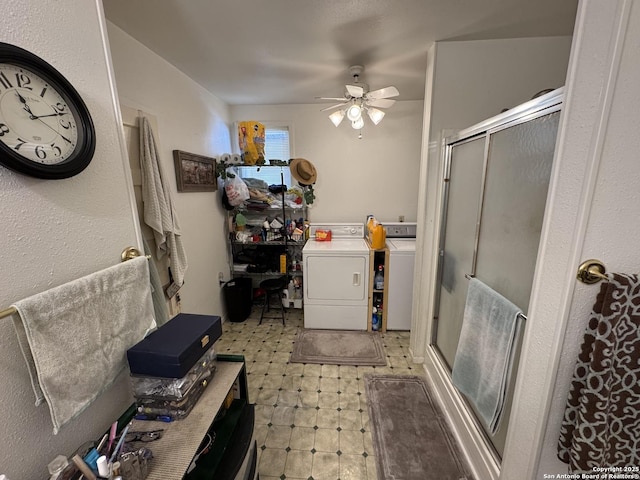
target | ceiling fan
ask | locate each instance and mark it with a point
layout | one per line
(358, 99)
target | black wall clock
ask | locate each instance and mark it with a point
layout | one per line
(46, 130)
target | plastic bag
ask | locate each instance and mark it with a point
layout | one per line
(235, 188)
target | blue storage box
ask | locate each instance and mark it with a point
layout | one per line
(175, 347)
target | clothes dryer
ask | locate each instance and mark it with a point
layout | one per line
(336, 278)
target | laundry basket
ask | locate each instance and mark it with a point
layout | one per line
(237, 295)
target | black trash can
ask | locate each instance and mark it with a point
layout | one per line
(238, 297)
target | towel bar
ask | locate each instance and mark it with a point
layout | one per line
(469, 276)
(592, 271)
(589, 272)
(127, 254)
(7, 312)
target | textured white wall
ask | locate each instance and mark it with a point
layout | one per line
(55, 231)
(475, 80)
(377, 174)
(189, 119)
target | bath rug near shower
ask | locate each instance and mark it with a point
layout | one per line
(338, 347)
(411, 438)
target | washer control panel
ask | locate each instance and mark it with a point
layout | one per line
(400, 229)
(338, 230)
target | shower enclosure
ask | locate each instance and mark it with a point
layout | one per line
(495, 189)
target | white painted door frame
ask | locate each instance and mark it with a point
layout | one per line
(591, 159)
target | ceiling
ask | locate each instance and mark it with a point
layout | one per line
(290, 51)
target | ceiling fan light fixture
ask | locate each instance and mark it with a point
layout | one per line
(337, 117)
(375, 115)
(358, 124)
(354, 112)
(358, 99)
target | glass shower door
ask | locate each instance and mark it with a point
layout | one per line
(494, 202)
(462, 204)
(515, 196)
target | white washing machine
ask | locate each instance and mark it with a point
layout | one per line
(336, 278)
(401, 243)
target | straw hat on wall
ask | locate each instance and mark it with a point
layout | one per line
(303, 171)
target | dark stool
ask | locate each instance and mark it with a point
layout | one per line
(273, 286)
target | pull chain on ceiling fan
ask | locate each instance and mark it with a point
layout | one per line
(358, 99)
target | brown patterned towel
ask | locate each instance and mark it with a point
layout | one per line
(602, 419)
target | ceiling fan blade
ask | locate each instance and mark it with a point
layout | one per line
(381, 103)
(385, 92)
(355, 91)
(337, 99)
(334, 106)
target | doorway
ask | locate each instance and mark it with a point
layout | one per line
(495, 191)
(131, 126)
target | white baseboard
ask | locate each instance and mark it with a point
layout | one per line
(415, 358)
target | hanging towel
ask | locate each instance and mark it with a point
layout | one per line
(486, 349)
(159, 213)
(74, 337)
(601, 424)
(160, 310)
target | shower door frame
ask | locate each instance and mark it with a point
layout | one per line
(544, 105)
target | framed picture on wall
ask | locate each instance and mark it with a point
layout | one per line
(195, 173)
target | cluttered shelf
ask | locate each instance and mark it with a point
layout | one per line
(255, 196)
(257, 240)
(193, 396)
(257, 207)
(174, 452)
(263, 258)
(378, 278)
(267, 228)
(185, 396)
(267, 225)
(243, 273)
(277, 227)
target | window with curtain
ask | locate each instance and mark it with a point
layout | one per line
(276, 146)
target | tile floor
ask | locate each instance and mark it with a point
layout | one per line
(312, 421)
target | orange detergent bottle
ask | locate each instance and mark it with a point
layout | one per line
(378, 237)
(376, 232)
(371, 220)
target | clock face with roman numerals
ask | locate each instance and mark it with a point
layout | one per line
(45, 128)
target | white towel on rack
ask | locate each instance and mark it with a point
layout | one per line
(74, 337)
(159, 213)
(486, 349)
